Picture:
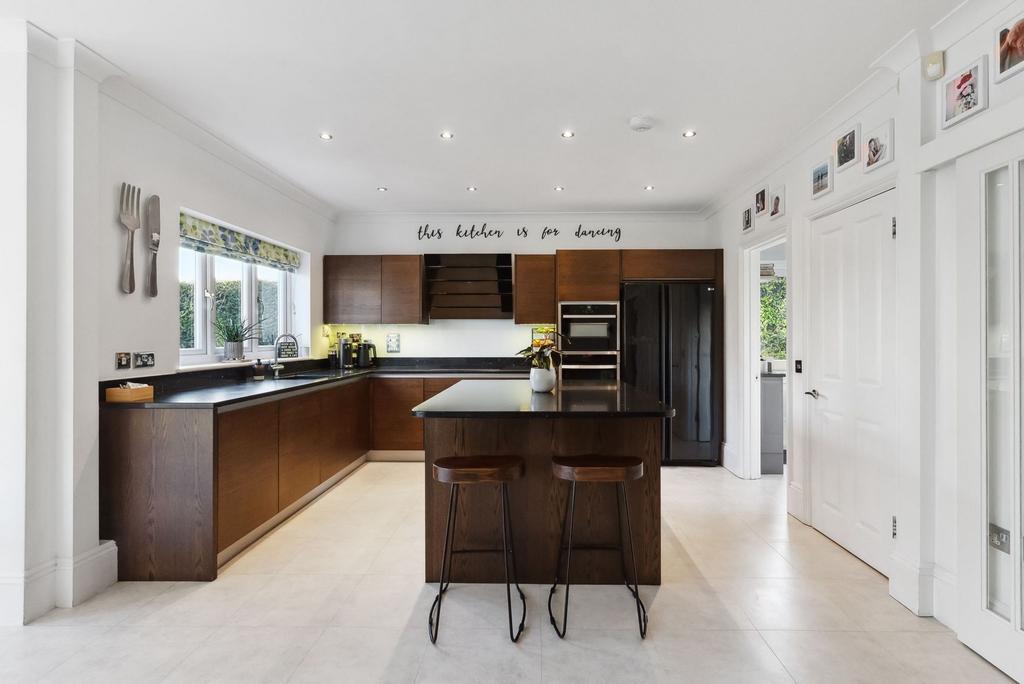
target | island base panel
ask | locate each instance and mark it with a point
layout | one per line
(538, 499)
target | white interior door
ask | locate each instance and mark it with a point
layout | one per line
(989, 197)
(851, 354)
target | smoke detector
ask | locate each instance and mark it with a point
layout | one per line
(641, 124)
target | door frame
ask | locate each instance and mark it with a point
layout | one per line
(750, 352)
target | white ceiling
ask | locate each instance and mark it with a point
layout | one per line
(385, 77)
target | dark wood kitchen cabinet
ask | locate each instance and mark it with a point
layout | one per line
(534, 288)
(587, 275)
(247, 471)
(300, 443)
(401, 289)
(394, 426)
(670, 264)
(346, 414)
(352, 288)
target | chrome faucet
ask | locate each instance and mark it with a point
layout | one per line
(276, 367)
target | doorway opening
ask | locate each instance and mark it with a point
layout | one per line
(765, 339)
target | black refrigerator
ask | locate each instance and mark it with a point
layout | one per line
(670, 349)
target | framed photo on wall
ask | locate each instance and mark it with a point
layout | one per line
(878, 146)
(761, 201)
(747, 220)
(1008, 53)
(848, 148)
(821, 179)
(777, 202)
(964, 93)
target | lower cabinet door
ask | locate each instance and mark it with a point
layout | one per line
(300, 445)
(346, 421)
(247, 481)
(394, 426)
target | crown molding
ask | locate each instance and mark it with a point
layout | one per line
(84, 60)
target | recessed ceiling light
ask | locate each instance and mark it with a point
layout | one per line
(326, 136)
(447, 135)
(689, 133)
(382, 189)
(471, 188)
(568, 134)
(559, 188)
(648, 188)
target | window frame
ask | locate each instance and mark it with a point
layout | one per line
(206, 350)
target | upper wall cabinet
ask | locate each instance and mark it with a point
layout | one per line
(669, 264)
(401, 289)
(585, 275)
(373, 289)
(534, 288)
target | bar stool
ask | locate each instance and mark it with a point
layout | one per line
(615, 470)
(468, 470)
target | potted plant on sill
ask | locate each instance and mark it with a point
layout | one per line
(235, 334)
(543, 357)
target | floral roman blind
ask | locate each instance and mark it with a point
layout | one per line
(209, 238)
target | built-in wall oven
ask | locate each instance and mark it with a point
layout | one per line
(590, 342)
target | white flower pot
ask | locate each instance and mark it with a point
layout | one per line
(542, 379)
(234, 351)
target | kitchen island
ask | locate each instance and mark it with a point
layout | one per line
(506, 418)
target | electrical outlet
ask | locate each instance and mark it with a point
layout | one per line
(122, 360)
(999, 538)
(393, 343)
(145, 359)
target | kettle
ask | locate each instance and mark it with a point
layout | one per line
(346, 354)
(366, 355)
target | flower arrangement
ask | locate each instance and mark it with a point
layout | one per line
(543, 352)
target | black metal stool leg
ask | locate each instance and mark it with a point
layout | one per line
(434, 619)
(570, 512)
(509, 550)
(641, 610)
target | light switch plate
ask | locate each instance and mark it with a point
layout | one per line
(393, 343)
(145, 359)
(122, 360)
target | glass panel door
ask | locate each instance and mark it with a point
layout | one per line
(1001, 390)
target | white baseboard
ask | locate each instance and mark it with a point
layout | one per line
(912, 585)
(945, 600)
(731, 460)
(86, 575)
(396, 455)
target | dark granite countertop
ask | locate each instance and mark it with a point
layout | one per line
(515, 399)
(225, 394)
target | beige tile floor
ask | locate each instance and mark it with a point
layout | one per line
(335, 595)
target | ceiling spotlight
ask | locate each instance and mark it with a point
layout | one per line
(447, 135)
(471, 188)
(689, 133)
(648, 188)
(326, 136)
(559, 188)
(382, 189)
(568, 134)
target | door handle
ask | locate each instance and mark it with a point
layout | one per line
(812, 393)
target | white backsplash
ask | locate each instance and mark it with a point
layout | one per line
(447, 337)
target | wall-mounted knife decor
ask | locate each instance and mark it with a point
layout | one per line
(128, 215)
(153, 228)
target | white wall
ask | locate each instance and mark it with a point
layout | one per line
(148, 145)
(925, 555)
(13, 281)
(398, 234)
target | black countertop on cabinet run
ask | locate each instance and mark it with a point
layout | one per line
(515, 399)
(251, 390)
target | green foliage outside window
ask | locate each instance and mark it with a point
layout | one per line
(228, 300)
(187, 315)
(773, 318)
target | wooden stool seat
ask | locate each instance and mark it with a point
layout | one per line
(470, 469)
(597, 468)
